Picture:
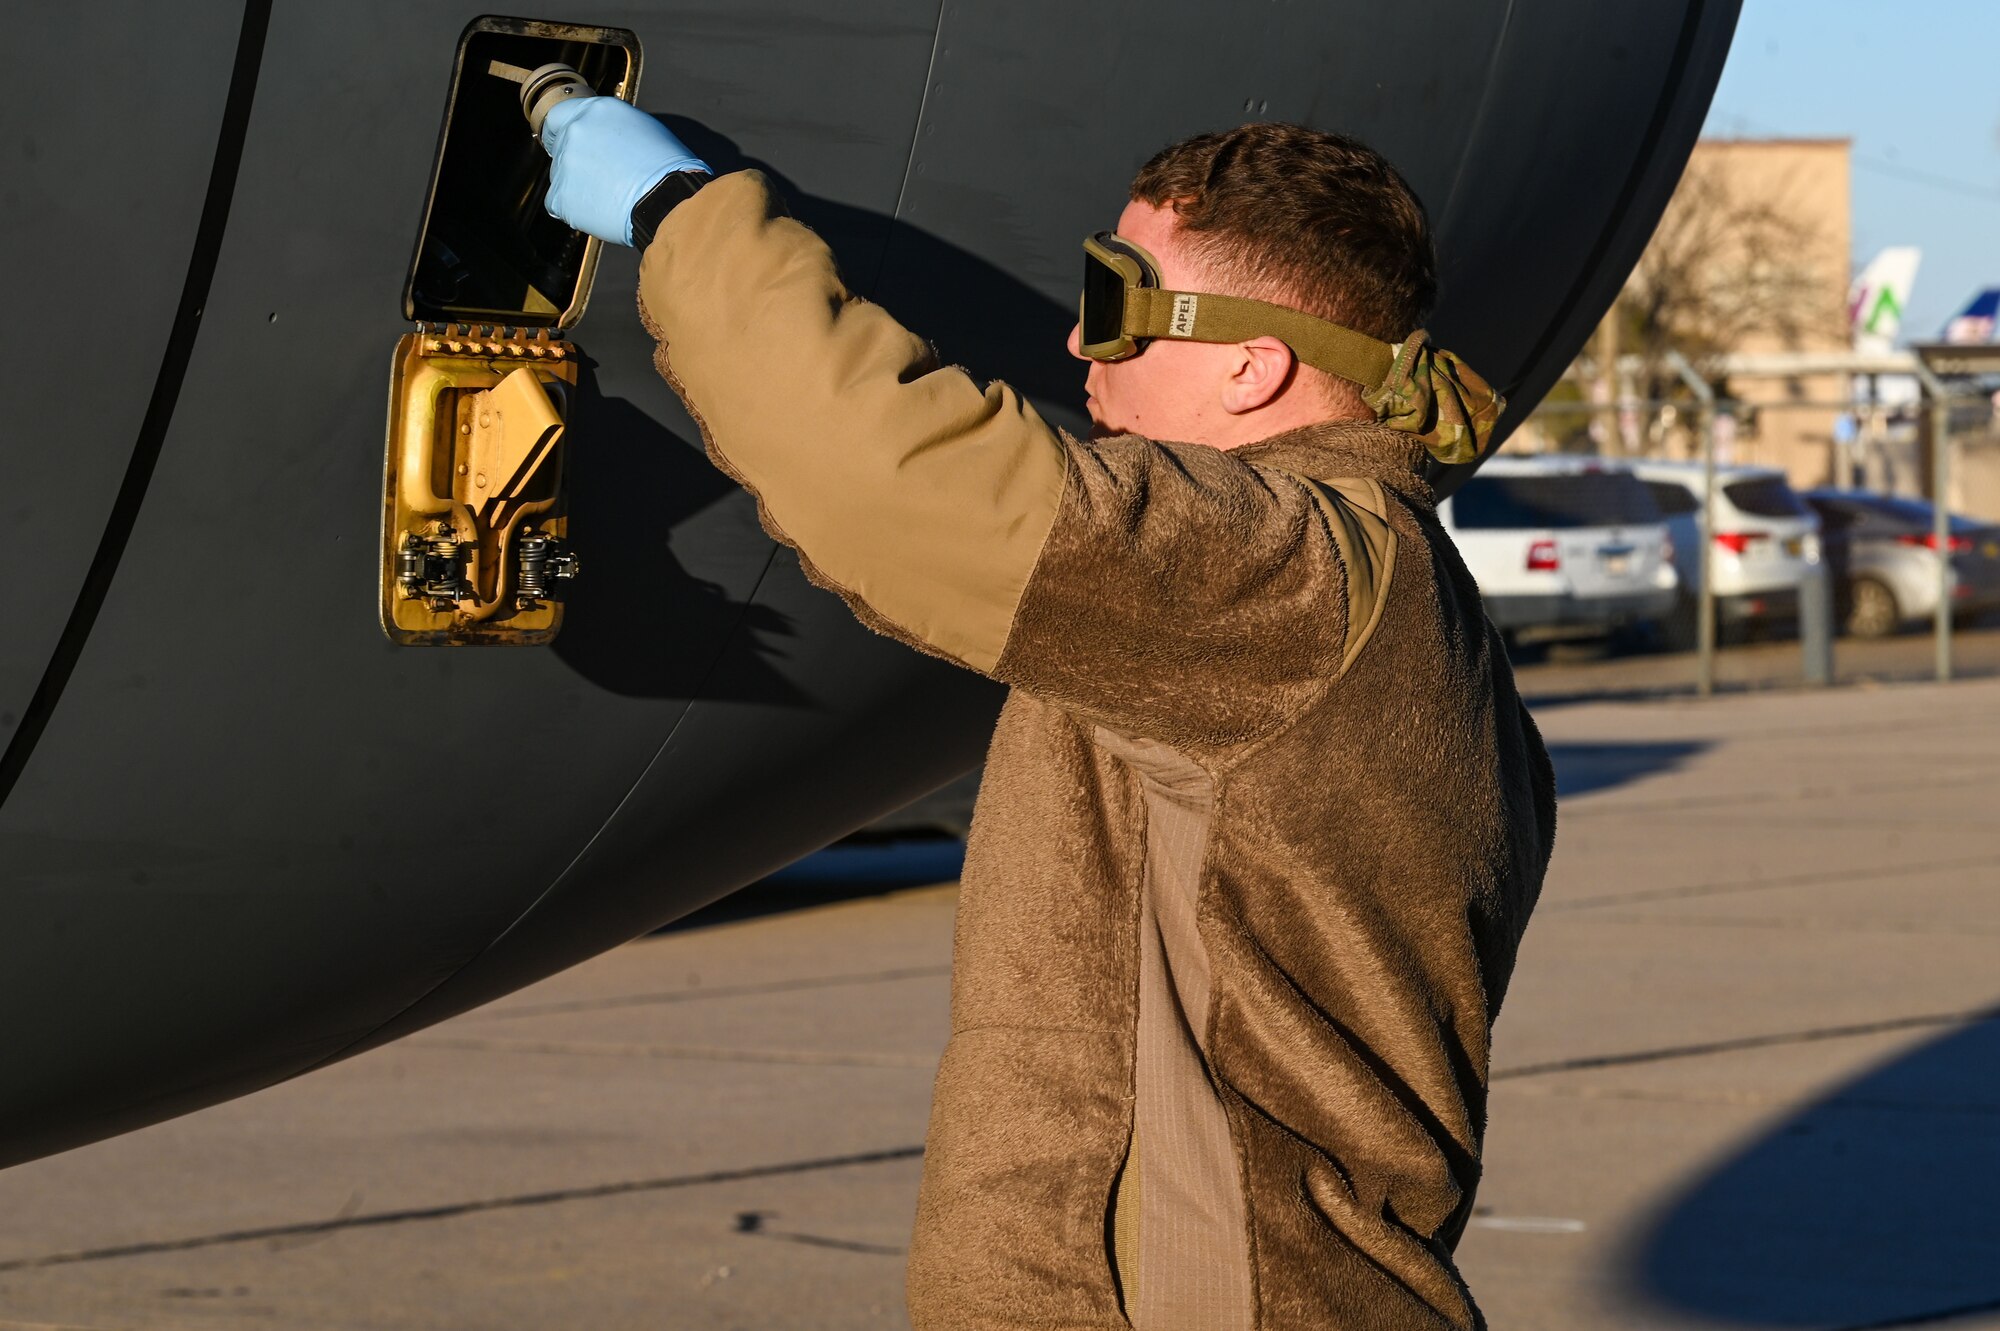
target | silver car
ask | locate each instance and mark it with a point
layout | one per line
(1884, 557)
(1766, 543)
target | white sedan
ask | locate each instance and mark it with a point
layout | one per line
(1565, 541)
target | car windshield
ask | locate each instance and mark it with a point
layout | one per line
(1765, 497)
(1673, 498)
(1570, 499)
(1894, 513)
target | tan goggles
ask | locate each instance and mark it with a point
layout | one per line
(1124, 306)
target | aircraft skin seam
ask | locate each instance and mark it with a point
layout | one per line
(203, 259)
(910, 161)
(1479, 116)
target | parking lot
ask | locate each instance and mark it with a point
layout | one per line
(1747, 1076)
(1613, 668)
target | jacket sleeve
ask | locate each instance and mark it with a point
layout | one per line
(1189, 596)
(918, 496)
(1176, 592)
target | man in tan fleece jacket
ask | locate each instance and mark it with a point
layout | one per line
(1263, 818)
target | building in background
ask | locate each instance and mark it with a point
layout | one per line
(1751, 256)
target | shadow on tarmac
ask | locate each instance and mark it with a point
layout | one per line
(1872, 1208)
(850, 871)
(1581, 768)
(867, 866)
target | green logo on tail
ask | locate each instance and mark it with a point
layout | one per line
(1885, 300)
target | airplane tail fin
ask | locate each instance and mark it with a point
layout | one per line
(1977, 321)
(1875, 304)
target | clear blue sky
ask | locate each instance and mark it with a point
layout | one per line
(1916, 85)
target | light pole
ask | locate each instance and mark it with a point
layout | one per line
(1704, 678)
(1934, 396)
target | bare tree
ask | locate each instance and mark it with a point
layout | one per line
(1740, 261)
(1734, 260)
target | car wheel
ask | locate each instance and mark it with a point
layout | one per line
(1872, 611)
(1635, 637)
(1677, 631)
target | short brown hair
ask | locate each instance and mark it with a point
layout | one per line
(1305, 218)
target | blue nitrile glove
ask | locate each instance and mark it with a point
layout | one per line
(608, 155)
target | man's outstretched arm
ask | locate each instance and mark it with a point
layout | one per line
(920, 497)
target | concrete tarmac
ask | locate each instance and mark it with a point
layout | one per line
(1748, 1075)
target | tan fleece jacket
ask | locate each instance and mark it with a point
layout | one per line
(1261, 825)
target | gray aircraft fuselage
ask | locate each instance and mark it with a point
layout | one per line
(242, 834)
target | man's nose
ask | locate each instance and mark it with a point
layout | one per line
(1075, 342)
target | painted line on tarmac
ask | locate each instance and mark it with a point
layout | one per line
(1872, 1104)
(1804, 924)
(691, 994)
(705, 1053)
(1529, 1224)
(1587, 1062)
(839, 1245)
(452, 1210)
(752, 1223)
(1731, 801)
(1693, 891)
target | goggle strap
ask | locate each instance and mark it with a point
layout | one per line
(1203, 317)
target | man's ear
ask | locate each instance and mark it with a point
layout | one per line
(1264, 368)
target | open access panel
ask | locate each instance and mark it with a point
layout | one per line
(475, 527)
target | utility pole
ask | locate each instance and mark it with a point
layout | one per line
(1939, 484)
(1704, 679)
(1604, 395)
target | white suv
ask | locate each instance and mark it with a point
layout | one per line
(1766, 542)
(1563, 541)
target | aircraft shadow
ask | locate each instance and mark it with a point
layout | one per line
(783, 895)
(1583, 767)
(1871, 1208)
